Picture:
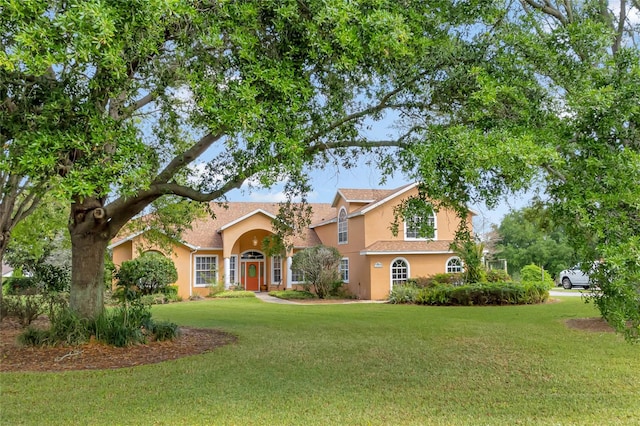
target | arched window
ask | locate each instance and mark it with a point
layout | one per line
(342, 226)
(454, 265)
(399, 271)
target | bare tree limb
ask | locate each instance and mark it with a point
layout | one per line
(548, 9)
(187, 157)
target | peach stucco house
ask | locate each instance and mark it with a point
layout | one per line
(227, 248)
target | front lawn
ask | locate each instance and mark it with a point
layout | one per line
(356, 364)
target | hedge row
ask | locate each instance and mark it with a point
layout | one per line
(509, 293)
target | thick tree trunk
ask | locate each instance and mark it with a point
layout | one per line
(4, 242)
(89, 239)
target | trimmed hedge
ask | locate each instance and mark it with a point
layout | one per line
(473, 294)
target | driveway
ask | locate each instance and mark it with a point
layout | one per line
(570, 293)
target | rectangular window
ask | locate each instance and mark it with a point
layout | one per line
(206, 268)
(344, 269)
(297, 276)
(233, 269)
(412, 227)
(276, 270)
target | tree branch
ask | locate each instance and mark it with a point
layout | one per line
(187, 157)
(548, 9)
(620, 30)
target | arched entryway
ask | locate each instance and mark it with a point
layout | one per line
(252, 270)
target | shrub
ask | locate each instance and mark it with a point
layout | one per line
(149, 273)
(483, 294)
(234, 294)
(164, 330)
(533, 273)
(292, 294)
(403, 293)
(52, 278)
(25, 308)
(20, 285)
(216, 288)
(319, 265)
(497, 276)
(34, 337)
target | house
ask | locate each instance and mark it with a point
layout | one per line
(7, 271)
(228, 248)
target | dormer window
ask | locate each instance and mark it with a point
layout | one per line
(342, 226)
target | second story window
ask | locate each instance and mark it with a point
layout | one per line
(342, 226)
(420, 226)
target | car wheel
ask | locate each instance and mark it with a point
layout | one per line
(566, 283)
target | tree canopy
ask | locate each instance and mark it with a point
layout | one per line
(526, 236)
(120, 98)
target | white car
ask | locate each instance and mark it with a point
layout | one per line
(573, 277)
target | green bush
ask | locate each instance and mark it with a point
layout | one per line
(234, 294)
(52, 278)
(25, 308)
(497, 276)
(533, 273)
(149, 273)
(34, 337)
(20, 285)
(292, 294)
(508, 293)
(215, 288)
(164, 330)
(404, 293)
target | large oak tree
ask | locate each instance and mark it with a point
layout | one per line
(136, 91)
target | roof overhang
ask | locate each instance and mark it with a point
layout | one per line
(246, 216)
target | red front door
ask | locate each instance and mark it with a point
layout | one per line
(252, 276)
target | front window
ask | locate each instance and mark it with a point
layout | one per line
(233, 262)
(454, 265)
(276, 269)
(420, 227)
(297, 276)
(206, 268)
(342, 226)
(344, 269)
(399, 272)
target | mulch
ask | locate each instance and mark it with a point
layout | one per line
(97, 356)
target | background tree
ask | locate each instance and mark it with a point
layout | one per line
(526, 237)
(586, 55)
(320, 266)
(140, 90)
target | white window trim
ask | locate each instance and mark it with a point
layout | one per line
(446, 264)
(391, 270)
(233, 269)
(348, 270)
(195, 271)
(273, 270)
(435, 231)
(346, 224)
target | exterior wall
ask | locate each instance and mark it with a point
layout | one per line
(420, 265)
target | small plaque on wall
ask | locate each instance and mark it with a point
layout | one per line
(377, 265)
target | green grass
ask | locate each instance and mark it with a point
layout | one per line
(356, 364)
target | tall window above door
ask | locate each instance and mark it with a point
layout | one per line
(342, 226)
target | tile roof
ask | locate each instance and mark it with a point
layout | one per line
(204, 232)
(365, 195)
(407, 247)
